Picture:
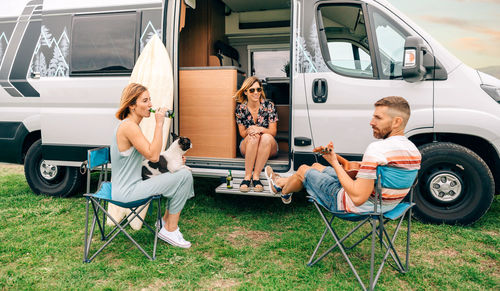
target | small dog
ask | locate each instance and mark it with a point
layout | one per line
(170, 160)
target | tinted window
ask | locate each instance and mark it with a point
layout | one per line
(103, 43)
(391, 42)
(346, 50)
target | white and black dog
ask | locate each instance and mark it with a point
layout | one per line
(170, 160)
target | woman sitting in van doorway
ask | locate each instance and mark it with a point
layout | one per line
(128, 149)
(257, 121)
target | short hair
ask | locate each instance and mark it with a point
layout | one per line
(398, 106)
(129, 98)
(240, 95)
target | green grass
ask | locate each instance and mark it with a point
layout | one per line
(238, 243)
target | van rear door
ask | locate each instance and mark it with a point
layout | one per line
(349, 55)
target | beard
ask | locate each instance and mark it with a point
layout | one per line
(382, 133)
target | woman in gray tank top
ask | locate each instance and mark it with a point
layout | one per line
(128, 149)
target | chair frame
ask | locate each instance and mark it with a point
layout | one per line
(377, 219)
(99, 204)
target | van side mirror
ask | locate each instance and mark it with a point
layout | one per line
(419, 63)
(413, 63)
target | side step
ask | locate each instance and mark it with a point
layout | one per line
(222, 189)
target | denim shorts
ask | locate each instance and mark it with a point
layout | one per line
(324, 186)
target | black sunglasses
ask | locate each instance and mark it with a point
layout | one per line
(251, 90)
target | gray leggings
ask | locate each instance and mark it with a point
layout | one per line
(177, 187)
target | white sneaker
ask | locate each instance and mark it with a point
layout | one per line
(174, 238)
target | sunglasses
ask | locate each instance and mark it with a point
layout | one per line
(251, 90)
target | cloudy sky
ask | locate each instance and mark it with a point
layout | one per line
(470, 29)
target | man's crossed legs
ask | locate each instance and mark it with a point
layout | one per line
(320, 182)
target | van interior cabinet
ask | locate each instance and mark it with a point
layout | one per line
(206, 110)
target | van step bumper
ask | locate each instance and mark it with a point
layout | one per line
(222, 189)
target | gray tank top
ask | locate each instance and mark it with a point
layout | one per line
(125, 170)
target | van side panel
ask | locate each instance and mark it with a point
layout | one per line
(461, 106)
(78, 111)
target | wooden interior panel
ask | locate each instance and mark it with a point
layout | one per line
(283, 125)
(206, 111)
(283, 116)
(203, 26)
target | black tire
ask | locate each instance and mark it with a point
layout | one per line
(455, 185)
(62, 184)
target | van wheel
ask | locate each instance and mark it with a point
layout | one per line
(47, 179)
(455, 185)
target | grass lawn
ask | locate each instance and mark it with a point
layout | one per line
(238, 243)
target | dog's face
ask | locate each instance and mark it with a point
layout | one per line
(184, 142)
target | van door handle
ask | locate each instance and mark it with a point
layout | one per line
(320, 90)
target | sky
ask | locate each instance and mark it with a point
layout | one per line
(469, 29)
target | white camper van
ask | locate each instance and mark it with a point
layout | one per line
(323, 63)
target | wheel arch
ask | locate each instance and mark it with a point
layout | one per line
(478, 145)
(30, 139)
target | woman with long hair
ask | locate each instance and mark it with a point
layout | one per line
(128, 149)
(257, 121)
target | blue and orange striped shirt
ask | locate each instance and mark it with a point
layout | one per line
(395, 151)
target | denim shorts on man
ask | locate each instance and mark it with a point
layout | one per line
(324, 186)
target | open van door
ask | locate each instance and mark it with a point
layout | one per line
(347, 56)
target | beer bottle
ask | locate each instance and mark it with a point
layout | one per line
(229, 180)
(169, 113)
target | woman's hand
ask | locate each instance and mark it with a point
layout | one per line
(255, 130)
(160, 115)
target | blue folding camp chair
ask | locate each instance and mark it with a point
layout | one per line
(99, 159)
(387, 177)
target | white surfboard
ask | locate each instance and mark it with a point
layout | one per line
(153, 70)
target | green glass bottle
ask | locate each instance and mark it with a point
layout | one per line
(169, 113)
(229, 180)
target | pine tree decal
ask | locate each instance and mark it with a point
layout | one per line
(317, 57)
(42, 64)
(1, 51)
(45, 37)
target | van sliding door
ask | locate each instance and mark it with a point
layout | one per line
(348, 56)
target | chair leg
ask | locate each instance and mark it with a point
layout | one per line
(390, 249)
(96, 216)
(372, 255)
(90, 234)
(408, 232)
(157, 227)
(338, 243)
(318, 245)
(124, 232)
(85, 250)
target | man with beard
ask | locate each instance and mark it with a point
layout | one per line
(335, 188)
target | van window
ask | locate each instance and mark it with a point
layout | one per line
(103, 43)
(270, 63)
(346, 50)
(391, 42)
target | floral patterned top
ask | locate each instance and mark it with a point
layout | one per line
(267, 114)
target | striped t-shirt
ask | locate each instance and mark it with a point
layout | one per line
(394, 151)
